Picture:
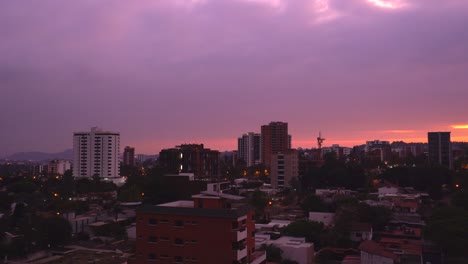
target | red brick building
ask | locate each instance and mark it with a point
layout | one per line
(208, 229)
(274, 139)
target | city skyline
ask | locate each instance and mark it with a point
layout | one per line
(166, 72)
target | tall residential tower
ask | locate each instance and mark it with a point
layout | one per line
(96, 153)
(440, 148)
(275, 139)
(249, 148)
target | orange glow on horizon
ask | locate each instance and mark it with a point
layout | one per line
(346, 139)
(460, 126)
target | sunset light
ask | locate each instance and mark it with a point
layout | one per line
(460, 126)
(389, 4)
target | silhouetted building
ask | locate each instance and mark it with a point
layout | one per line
(210, 229)
(405, 150)
(274, 139)
(249, 148)
(284, 167)
(191, 158)
(340, 152)
(129, 156)
(440, 148)
(96, 153)
(377, 149)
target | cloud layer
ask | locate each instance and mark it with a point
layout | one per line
(170, 71)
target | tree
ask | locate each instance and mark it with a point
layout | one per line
(259, 201)
(55, 231)
(313, 203)
(273, 253)
(448, 227)
(311, 230)
(460, 199)
(378, 216)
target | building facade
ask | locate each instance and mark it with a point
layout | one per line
(209, 229)
(284, 167)
(340, 152)
(96, 153)
(248, 148)
(58, 166)
(440, 148)
(380, 150)
(129, 156)
(274, 139)
(191, 158)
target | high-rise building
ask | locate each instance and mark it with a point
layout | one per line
(440, 148)
(129, 156)
(284, 167)
(249, 148)
(58, 166)
(340, 152)
(274, 139)
(96, 153)
(381, 150)
(191, 158)
(211, 228)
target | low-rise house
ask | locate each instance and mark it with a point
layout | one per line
(405, 206)
(293, 248)
(373, 253)
(360, 232)
(326, 219)
(387, 190)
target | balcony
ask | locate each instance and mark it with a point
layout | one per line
(258, 257)
(241, 253)
(241, 234)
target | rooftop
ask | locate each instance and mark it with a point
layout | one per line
(185, 208)
(374, 248)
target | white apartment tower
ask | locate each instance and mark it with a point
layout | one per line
(96, 153)
(249, 148)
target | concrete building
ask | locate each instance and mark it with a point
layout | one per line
(96, 153)
(209, 229)
(191, 158)
(440, 148)
(284, 167)
(248, 148)
(274, 139)
(294, 248)
(380, 150)
(58, 166)
(129, 156)
(326, 219)
(340, 152)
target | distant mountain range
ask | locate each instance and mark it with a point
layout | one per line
(67, 154)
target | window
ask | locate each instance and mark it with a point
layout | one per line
(178, 259)
(164, 221)
(152, 221)
(235, 225)
(164, 238)
(164, 256)
(152, 256)
(179, 223)
(178, 241)
(152, 239)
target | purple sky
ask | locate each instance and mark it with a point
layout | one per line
(165, 72)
